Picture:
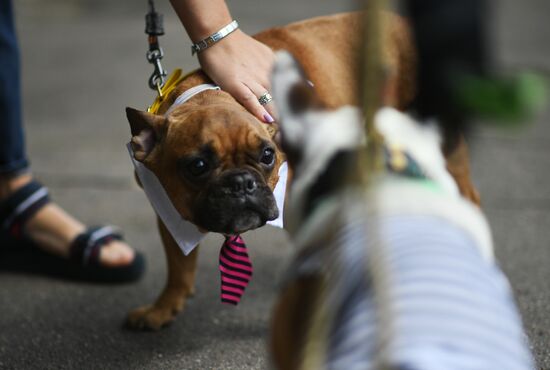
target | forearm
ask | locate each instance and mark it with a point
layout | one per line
(201, 18)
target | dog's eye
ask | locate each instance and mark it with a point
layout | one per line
(268, 156)
(198, 167)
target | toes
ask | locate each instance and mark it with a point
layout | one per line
(149, 318)
(116, 253)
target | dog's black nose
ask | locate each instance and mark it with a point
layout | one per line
(243, 183)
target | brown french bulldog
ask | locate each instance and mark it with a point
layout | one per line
(219, 164)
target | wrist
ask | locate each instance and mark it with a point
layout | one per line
(214, 37)
(203, 30)
(201, 18)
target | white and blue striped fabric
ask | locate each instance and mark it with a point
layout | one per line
(450, 308)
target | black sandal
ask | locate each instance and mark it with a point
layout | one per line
(18, 253)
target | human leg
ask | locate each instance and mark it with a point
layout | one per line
(48, 226)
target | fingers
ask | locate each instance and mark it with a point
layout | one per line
(258, 91)
(241, 66)
(248, 99)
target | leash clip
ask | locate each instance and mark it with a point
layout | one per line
(154, 28)
(158, 77)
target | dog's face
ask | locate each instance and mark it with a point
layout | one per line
(217, 163)
(320, 145)
(323, 147)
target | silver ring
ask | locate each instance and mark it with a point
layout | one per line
(265, 98)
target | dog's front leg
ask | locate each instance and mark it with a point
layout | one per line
(179, 286)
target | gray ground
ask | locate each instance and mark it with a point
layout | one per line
(83, 62)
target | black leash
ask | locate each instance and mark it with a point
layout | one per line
(153, 28)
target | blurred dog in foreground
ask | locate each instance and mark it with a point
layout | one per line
(397, 276)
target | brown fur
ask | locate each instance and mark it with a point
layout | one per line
(290, 322)
(326, 48)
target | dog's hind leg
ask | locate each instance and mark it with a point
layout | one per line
(458, 165)
(180, 285)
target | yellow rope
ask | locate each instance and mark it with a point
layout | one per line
(372, 62)
(173, 80)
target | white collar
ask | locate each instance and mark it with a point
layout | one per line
(188, 94)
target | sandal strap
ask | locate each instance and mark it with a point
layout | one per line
(86, 246)
(21, 206)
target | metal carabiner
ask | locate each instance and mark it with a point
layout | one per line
(158, 77)
(154, 28)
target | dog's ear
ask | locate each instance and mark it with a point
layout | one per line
(294, 96)
(146, 129)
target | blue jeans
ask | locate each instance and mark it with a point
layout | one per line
(12, 142)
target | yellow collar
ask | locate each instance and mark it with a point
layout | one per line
(175, 78)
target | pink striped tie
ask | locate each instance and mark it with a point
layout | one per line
(235, 269)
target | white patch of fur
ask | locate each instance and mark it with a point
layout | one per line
(329, 133)
(422, 142)
(318, 135)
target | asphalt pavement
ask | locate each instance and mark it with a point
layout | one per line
(84, 61)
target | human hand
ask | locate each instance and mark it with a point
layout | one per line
(241, 66)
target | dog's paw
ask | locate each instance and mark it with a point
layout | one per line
(470, 192)
(151, 317)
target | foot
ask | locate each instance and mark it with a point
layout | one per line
(161, 313)
(53, 230)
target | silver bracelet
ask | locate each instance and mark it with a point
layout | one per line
(213, 38)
